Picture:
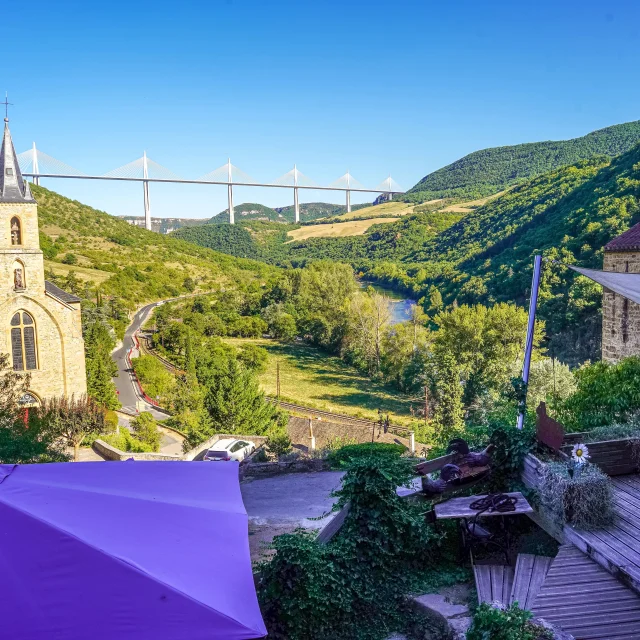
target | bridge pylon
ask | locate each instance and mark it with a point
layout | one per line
(145, 190)
(232, 218)
(296, 201)
(348, 192)
(34, 165)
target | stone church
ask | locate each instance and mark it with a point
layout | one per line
(42, 323)
(620, 316)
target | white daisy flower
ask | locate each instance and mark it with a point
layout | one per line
(580, 453)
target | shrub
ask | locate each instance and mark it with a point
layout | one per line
(576, 495)
(70, 258)
(278, 443)
(125, 441)
(110, 422)
(260, 456)
(510, 623)
(145, 429)
(348, 454)
(606, 393)
(354, 587)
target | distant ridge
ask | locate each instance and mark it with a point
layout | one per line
(488, 171)
(308, 211)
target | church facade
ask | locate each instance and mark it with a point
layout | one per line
(42, 328)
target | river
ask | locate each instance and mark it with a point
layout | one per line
(400, 306)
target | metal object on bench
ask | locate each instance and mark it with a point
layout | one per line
(460, 467)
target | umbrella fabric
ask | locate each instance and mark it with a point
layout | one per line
(626, 284)
(144, 550)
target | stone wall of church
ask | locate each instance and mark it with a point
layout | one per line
(27, 214)
(620, 317)
(59, 344)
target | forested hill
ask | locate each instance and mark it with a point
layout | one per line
(491, 170)
(308, 211)
(568, 215)
(87, 251)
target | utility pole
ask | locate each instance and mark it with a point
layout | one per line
(230, 194)
(426, 404)
(296, 202)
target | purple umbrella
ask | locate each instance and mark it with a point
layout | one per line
(144, 550)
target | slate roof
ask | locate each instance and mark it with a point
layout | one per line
(59, 293)
(13, 187)
(628, 241)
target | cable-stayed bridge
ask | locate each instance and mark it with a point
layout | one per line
(35, 164)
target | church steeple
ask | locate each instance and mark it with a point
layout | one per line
(13, 187)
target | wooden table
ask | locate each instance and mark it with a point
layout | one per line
(459, 508)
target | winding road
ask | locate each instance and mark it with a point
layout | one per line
(127, 391)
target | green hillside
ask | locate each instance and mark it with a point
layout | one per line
(308, 211)
(314, 210)
(126, 261)
(490, 170)
(248, 211)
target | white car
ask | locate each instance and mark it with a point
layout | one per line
(230, 449)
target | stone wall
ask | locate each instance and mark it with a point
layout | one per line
(620, 316)
(303, 465)
(325, 431)
(111, 453)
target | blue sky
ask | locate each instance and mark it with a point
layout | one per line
(374, 87)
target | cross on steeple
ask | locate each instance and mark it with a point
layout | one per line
(6, 104)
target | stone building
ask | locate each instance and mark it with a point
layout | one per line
(620, 316)
(42, 324)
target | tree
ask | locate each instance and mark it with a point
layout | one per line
(101, 369)
(20, 442)
(236, 404)
(369, 317)
(189, 284)
(72, 419)
(325, 290)
(406, 348)
(145, 429)
(448, 418)
(485, 343)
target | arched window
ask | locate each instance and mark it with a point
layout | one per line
(16, 232)
(23, 342)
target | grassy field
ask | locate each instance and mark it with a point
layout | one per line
(312, 378)
(339, 230)
(83, 273)
(385, 209)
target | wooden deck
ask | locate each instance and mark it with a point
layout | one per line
(498, 583)
(493, 582)
(617, 548)
(530, 575)
(586, 601)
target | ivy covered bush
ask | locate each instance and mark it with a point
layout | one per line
(513, 623)
(355, 586)
(344, 456)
